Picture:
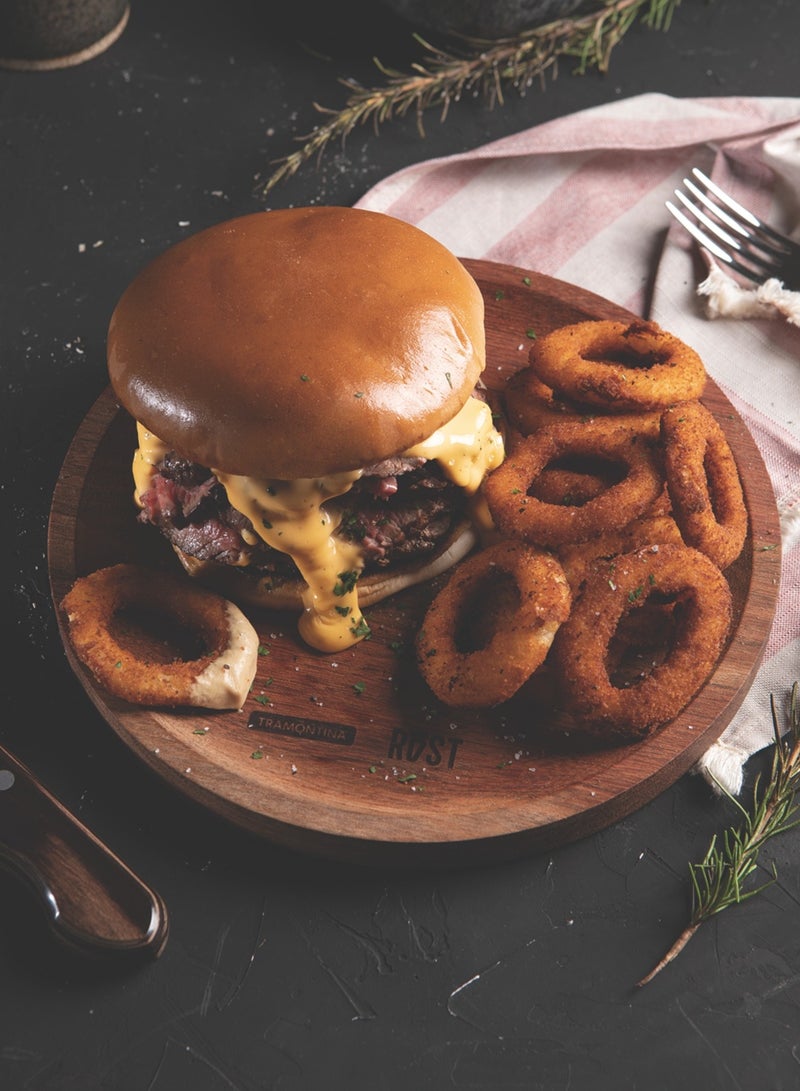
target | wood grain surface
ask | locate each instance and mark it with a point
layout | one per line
(350, 756)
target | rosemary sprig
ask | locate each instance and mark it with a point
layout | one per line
(718, 881)
(445, 77)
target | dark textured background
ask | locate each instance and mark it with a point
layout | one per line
(283, 972)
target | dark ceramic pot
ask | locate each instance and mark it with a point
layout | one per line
(479, 19)
(41, 34)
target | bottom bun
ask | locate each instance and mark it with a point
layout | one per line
(235, 584)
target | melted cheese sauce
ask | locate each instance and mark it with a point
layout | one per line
(145, 459)
(289, 516)
(467, 447)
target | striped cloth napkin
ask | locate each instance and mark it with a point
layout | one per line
(582, 198)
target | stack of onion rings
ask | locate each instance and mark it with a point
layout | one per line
(492, 624)
(613, 461)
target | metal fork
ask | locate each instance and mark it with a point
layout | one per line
(734, 235)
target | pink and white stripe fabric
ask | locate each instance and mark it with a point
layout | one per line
(582, 198)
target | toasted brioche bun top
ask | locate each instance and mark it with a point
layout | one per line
(298, 342)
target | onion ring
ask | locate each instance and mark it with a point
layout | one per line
(618, 365)
(519, 514)
(530, 404)
(614, 588)
(129, 625)
(703, 483)
(492, 625)
(650, 529)
(571, 484)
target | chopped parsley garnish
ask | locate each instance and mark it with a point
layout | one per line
(263, 649)
(352, 527)
(359, 687)
(361, 628)
(526, 281)
(343, 611)
(531, 334)
(347, 581)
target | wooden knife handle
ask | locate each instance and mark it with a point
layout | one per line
(93, 900)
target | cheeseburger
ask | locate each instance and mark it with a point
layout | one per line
(310, 427)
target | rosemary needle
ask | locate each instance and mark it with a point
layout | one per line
(718, 881)
(514, 61)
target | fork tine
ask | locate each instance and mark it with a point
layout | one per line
(764, 264)
(752, 237)
(786, 244)
(713, 247)
(720, 213)
(712, 226)
(734, 235)
(720, 194)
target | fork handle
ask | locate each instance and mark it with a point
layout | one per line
(93, 900)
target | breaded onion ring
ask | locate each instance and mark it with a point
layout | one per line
(702, 618)
(650, 529)
(129, 624)
(492, 624)
(571, 483)
(520, 514)
(618, 365)
(531, 405)
(703, 482)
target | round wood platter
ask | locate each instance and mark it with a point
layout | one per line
(350, 756)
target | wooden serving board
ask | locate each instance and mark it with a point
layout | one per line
(349, 756)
